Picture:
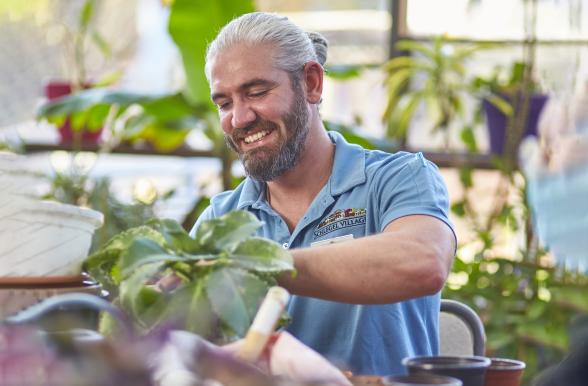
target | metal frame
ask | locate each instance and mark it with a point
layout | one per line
(471, 319)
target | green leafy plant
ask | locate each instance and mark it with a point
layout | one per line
(527, 305)
(162, 121)
(224, 272)
(498, 89)
(434, 77)
(86, 32)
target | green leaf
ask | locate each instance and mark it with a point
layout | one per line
(192, 305)
(343, 72)
(469, 139)
(504, 106)
(508, 218)
(175, 235)
(144, 251)
(458, 208)
(227, 231)
(108, 78)
(139, 300)
(100, 264)
(101, 43)
(409, 45)
(405, 115)
(78, 120)
(85, 99)
(86, 14)
(168, 136)
(395, 88)
(465, 176)
(235, 296)
(262, 255)
(410, 62)
(192, 25)
(96, 117)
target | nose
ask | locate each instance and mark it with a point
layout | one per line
(243, 115)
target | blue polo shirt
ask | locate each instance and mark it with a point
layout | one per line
(366, 191)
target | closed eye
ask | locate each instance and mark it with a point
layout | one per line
(257, 94)
(223, 105)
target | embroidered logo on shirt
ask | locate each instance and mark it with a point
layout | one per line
(341, 218)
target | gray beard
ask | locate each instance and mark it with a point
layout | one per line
(267, 164)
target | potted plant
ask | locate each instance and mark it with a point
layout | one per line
(222, 274)
(161, 121)
(511, 103)
(77, 39)
(433, 77)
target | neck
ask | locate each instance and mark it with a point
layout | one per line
(300, 185)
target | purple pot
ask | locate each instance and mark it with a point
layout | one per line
(497, 121)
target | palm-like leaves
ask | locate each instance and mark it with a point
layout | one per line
(440, 71)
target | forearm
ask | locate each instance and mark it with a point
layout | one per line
(389, 267)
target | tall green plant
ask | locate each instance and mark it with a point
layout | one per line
(434, 77)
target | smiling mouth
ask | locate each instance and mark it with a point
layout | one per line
(256, 137)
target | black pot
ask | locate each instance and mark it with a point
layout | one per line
(469, 369)
(421, 380)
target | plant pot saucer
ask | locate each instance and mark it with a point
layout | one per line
(46, 281)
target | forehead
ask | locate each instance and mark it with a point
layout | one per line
(237, 65)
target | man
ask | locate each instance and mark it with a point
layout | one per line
(372, 299)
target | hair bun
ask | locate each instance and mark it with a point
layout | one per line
(320, 45)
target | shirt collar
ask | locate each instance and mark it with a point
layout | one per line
(253, 194)
(348, 172)
(349, 165)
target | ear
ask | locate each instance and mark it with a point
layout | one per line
(313, 80)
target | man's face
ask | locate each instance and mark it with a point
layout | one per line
(263, 116)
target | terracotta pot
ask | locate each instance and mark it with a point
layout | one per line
(421, 380)
(55, 90)
(469, 369)
(504, 372)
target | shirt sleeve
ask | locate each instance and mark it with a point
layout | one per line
(413, 188)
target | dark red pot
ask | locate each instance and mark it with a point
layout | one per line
(55, 90)
(504, 372)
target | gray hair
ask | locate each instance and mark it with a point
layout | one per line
(294, 47)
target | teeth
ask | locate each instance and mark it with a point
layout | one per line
(256, 136)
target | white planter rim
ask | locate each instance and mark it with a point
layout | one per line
(56, 208)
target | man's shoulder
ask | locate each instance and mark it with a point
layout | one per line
(245, 194)
(228, 200)
(377, 160)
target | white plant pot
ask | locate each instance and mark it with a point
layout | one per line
(42, 238)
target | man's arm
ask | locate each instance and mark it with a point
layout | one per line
(411, 258)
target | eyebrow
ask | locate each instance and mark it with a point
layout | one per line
(247, 85)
